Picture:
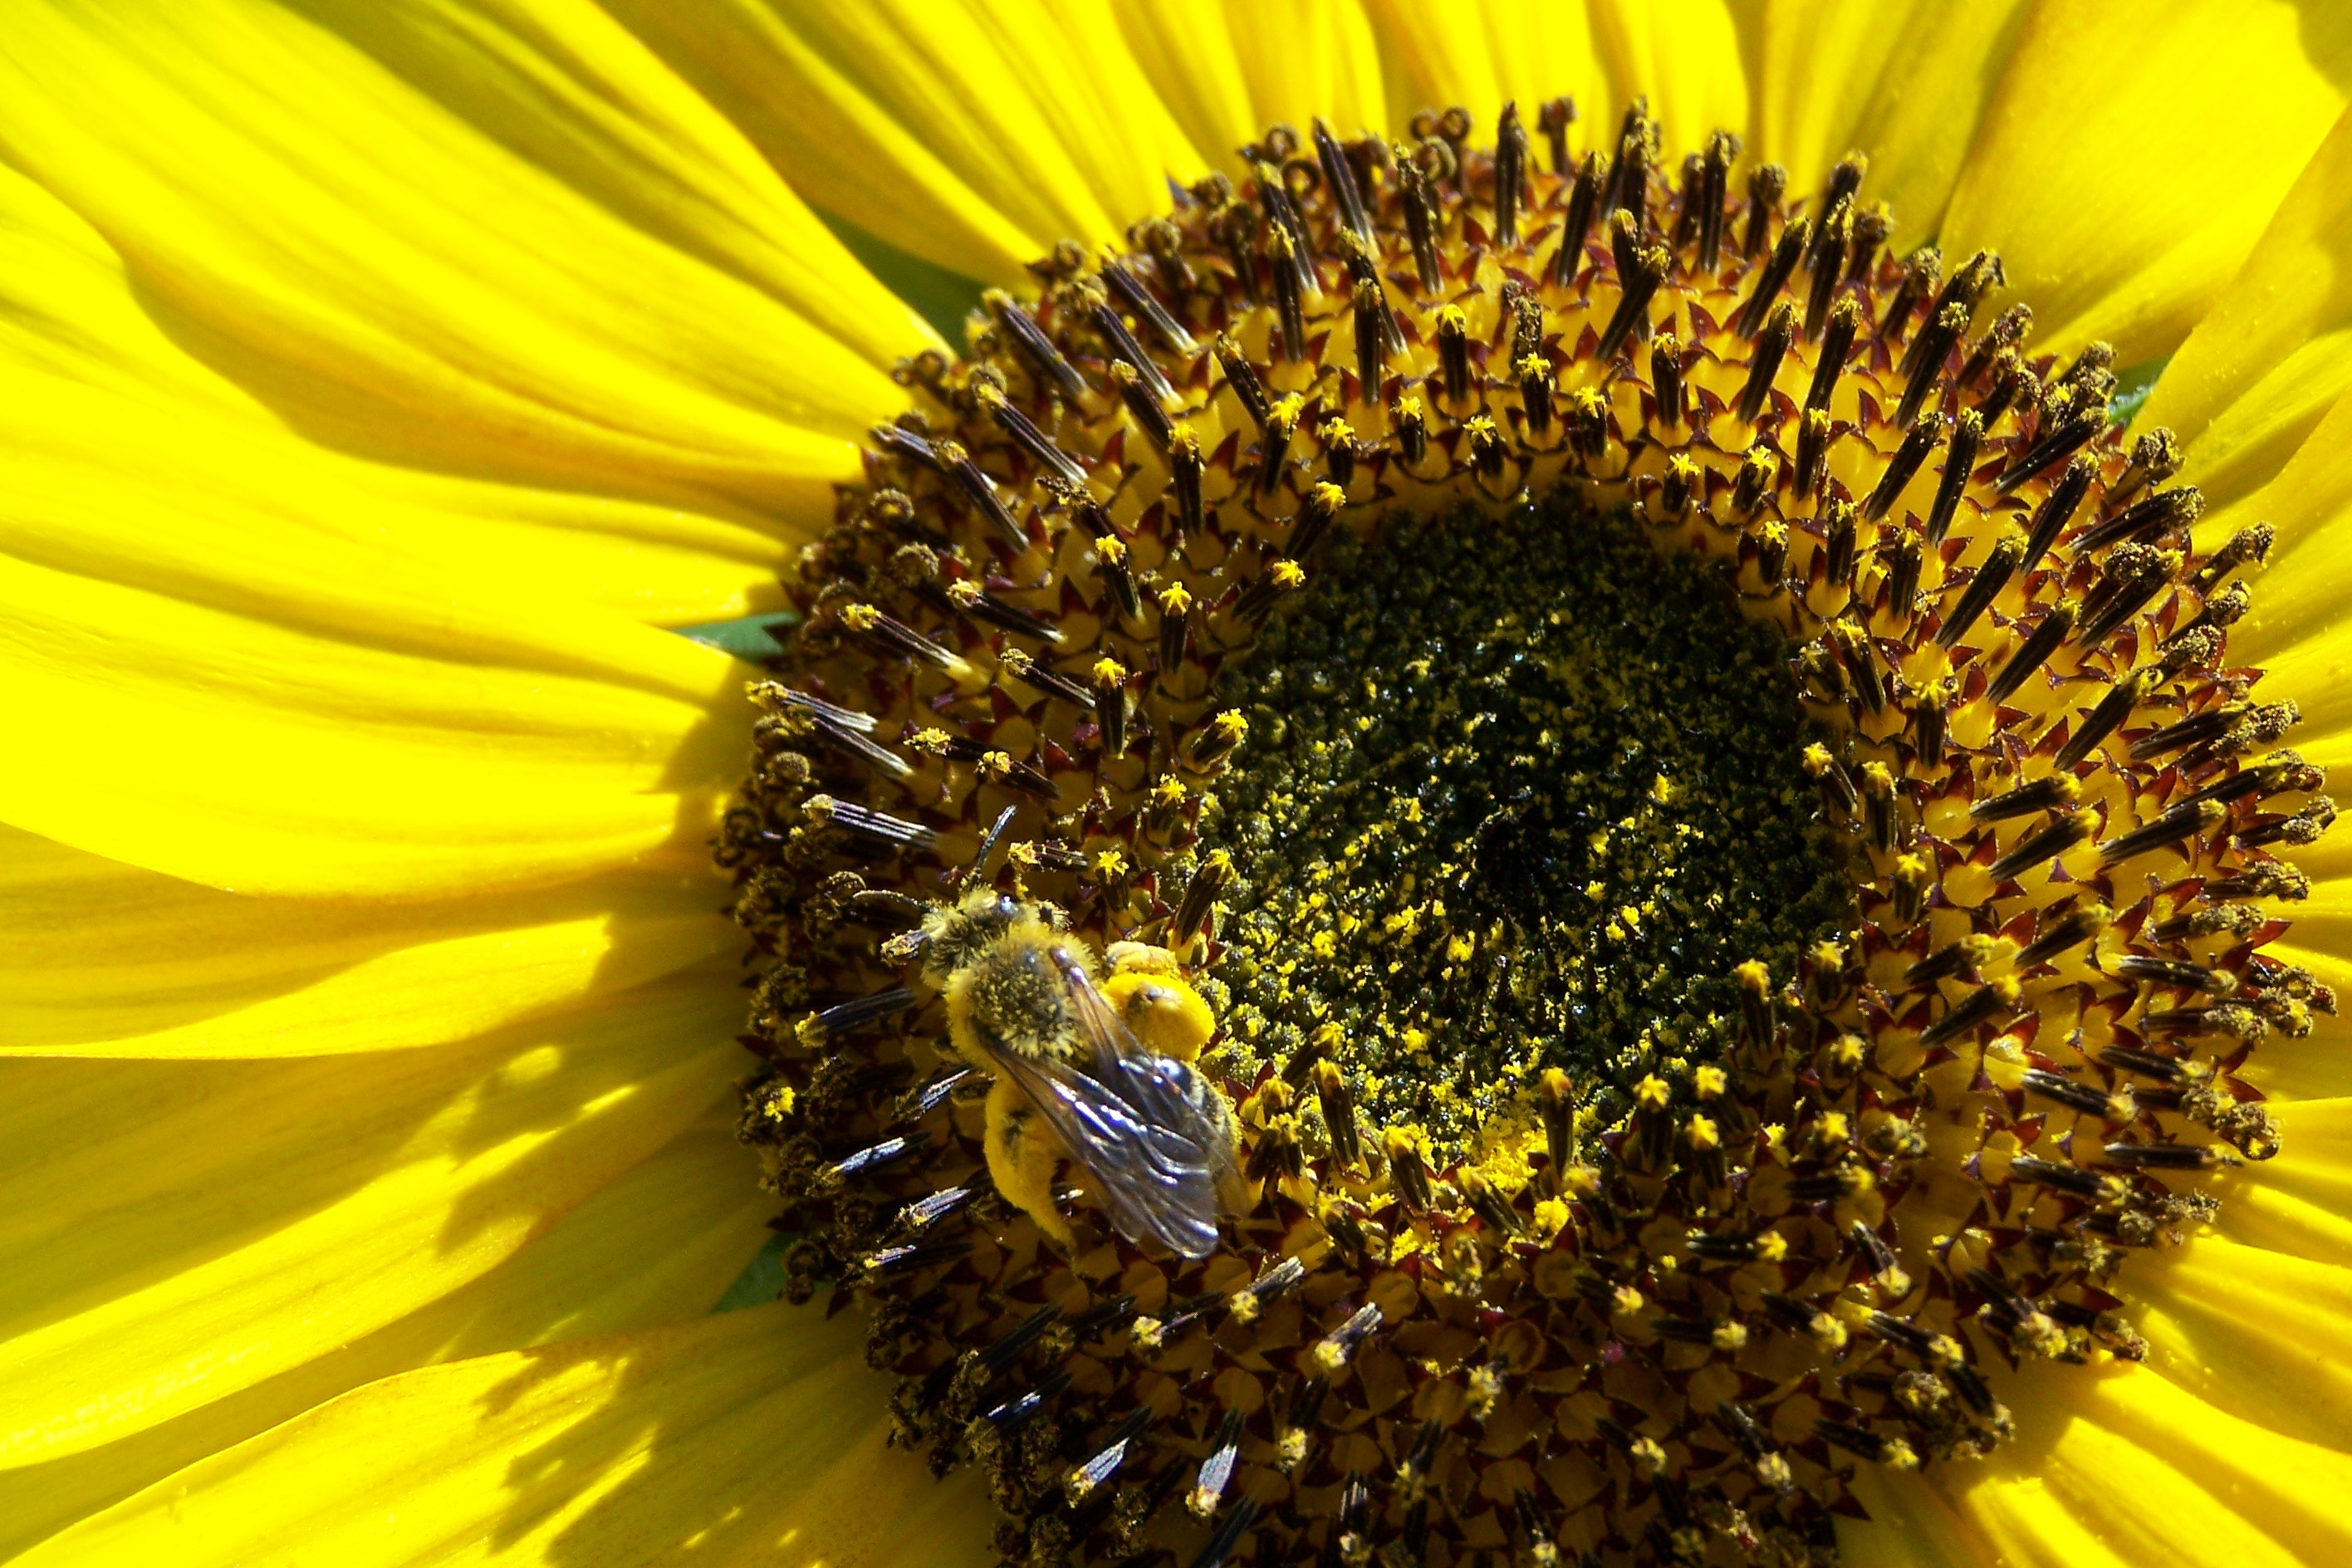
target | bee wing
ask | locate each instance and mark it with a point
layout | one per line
(1135, 1121)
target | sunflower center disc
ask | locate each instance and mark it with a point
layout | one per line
(1470, 861)
(1513, 804)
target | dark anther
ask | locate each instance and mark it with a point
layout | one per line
(2051, 792)
(1412, 426)
(2033, 652)
(2069, 437)
(1904, 558)
(1980, 1006)
(1274, 445)
(1917, 442)
(1649, 271)
(2155, 457)
(1371, 342)
(1764, 363)
(1289, 297)
(1150, 415)
(1629, 176)
(1830, 242)
(901, 442)
(1340, 177)
(2039, 846)
(1870, 231)
(2007, 330)
(1991, 577)
(1209, 882)
(1320, 505)
(1140, 299)
(1008, 1345)
(2246, 546)
(1019, 665)
(2175, 971)
(1282, 217)
(2072, 1180)
(2111, 711)
(1338, 1113)
(1959, 458)
(1125, 349)
(2165, 1156)
(2150, 516)
(1175, 628)
(1838, 546)
(2144, 1063)
(1453, 355)
(1421, 224)
(1536, 390)
(1812, 452)
(917, 1255)
(1025, 435)
(982, 492)
(1409, 1176)
(877, 1155)
(1228, 1533)
(1844, 181)
(1553, 119)
(2075, 1094)
(1693, 193)
(1930, 350)
(1045, 360)
(1722, 147)
(1242, 377)
(1111, 709)
(1576, 228)
(1773, 277)
(1013, 1412)
(1921, 274)
(877, 828)
(1510, 174)
(1837, 347)
(2057, 509)
(1185, 470)
(1667, 378)
(2168, 826)
(1765, 186)
(2125, 593)
(1964, 290)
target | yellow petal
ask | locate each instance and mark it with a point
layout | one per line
(1686, 55)
(175, 1232)
(2132, 154)
(972, 136)
(1483, 55)
(2254, 1332)
(502, 241)
(104, 959)
(72, 326)
(1231, 70)
(754, 1437)
(2275, 354)
(2301, 1202)
(338, 722)
(2126, 1467)
(656, 1247)
(1911, 1525)
(1905, 83)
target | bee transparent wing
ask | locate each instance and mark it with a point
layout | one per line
(1135, 1121)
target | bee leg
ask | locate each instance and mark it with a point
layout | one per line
(1166, 1013)
(1022, 1155)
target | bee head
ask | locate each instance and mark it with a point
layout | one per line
(954, 935)
(1014, 995)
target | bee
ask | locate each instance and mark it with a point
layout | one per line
(1092, 1067)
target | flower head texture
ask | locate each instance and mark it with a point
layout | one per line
(1184, 782)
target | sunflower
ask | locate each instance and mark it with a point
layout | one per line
(1531, 784)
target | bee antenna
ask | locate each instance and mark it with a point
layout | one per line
(977, 872)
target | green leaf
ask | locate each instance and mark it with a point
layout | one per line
(749, 638)
(941, 297)
(2132, 387)
(762, 1279)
